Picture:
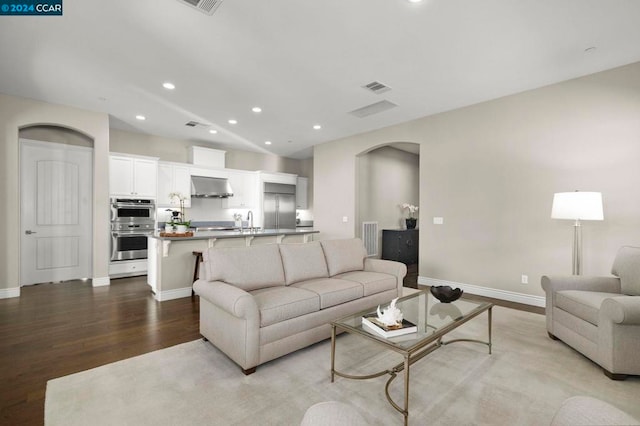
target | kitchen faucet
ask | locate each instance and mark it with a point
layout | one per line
(250, 219)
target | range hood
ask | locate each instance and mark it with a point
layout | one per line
(209, 187)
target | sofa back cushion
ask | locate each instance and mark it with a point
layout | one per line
(344, 255)
(627, 267)
(303, 261)
(248, 268)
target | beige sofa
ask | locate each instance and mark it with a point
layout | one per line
(258, 303)
(600, 316)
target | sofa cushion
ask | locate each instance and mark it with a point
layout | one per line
(583, 304)
(332, 291)
(372, 282)
(278, 304)
(627, 266)
(303, 261)
(344, 255)
(248, 268)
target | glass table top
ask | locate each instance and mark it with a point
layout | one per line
(433, 319)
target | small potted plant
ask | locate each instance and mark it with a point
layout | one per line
(182, 227)
(411, 220)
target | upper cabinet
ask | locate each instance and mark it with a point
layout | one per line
(133, 176)
(173, 178)
(278, 178)
(245, 190)
(302, 192)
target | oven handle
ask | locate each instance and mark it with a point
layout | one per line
(125, 234)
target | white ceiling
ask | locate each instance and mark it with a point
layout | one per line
(303, 62)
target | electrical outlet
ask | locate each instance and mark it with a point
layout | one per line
(345, 219)
(524, 279)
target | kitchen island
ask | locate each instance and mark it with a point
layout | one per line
(171, 261)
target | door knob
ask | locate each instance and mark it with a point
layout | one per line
(29, 232)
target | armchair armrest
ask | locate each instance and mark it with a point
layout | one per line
(231, 299)
(622, 310)
(551, 284)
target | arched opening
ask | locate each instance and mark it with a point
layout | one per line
(387, 176)
(56, 204)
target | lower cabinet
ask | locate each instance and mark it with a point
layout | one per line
(400, 245)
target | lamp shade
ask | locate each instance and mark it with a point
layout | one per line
(577, 206)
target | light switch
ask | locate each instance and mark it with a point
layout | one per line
(438, 220)
(345, 219)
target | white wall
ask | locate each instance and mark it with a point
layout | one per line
(16, 113)
(491, 170)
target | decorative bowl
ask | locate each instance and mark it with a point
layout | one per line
(446, 294)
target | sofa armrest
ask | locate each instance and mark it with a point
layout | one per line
(579, 282)
(622, 310)
(391, 267)
(232, 299)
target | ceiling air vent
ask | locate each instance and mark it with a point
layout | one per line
(373, 109)
(196, 124)
(204, 6)
(376, 87)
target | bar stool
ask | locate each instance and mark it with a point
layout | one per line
(196, 268)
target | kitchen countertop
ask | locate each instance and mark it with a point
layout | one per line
(206, 235)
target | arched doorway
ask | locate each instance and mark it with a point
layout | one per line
(387, 176)
(56, 193)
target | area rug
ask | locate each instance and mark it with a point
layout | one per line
(523, 382)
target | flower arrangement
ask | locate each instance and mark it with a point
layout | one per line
(179, 218)
(412, 209)
(237, 217)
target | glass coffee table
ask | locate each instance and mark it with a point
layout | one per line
(433, 319)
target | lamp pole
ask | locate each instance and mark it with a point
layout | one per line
(577, 248)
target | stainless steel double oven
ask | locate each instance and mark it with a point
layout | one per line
(132, 221)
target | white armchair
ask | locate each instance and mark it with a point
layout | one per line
(600, 316)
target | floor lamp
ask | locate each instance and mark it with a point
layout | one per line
(577, 206)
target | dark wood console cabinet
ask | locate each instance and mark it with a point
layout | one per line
(400, 245)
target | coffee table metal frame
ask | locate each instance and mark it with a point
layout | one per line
(411, 354)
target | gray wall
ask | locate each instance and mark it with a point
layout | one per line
(387, 178)
(491, 170)
(19, 113)
(177, 150)
(15, 114)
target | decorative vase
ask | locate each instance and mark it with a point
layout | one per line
(181, 229)
(411, 222)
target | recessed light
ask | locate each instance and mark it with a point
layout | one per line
(141, 117)
(267, 142)
(169, 86)
(213, 132)
(256, 109)
(232, 121)
(317, 127)
(415, 1)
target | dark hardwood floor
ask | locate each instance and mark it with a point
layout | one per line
(53, 330)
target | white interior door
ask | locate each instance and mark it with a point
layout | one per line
(56, 212)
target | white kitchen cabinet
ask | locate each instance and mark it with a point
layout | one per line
(199, 155)
(133, 176)
(173, 178)
(277, 178)
(302, 186)
(245, 190)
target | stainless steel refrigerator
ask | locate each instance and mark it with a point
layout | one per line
(279, 206)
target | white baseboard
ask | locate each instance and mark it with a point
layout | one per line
(100, 281)
(6, 293)
(511, 296)
(173, 294)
